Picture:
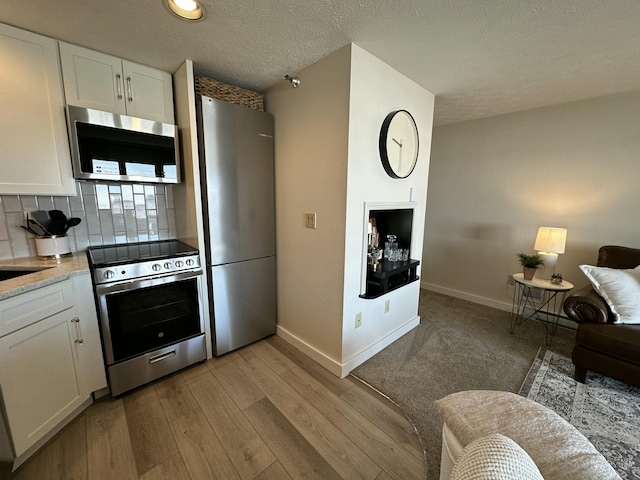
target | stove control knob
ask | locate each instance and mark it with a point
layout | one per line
(168, 265)
(109, 274)
(156, 267)
(190, 262)
(179, 264)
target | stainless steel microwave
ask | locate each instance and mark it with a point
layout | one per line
(108, 146)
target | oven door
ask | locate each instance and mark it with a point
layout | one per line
(144, 315)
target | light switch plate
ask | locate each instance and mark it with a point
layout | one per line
(310, 220)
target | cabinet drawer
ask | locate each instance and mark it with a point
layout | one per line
(27, 308)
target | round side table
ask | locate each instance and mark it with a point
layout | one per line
(539, 300)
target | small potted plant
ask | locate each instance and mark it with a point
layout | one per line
(556, 278)
(530, 263)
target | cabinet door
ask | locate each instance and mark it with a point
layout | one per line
(39, 377)
(90, 350)
(92, 79)
(149, 92)
(34, 151)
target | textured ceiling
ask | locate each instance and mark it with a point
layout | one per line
(480, 58)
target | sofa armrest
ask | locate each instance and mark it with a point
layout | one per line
(557, 448)
(585, 305)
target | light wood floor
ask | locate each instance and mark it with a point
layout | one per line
(263, 412)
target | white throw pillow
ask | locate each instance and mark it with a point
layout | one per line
(495, 457)
(620, 288)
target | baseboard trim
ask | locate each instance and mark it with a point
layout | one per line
(489, 302)
(343, 369)
(310, 351)
(364, 355)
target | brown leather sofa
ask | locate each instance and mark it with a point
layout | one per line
(602, 346)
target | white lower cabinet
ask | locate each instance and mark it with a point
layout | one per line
(41, 384)
(50, 367)
(90, 350)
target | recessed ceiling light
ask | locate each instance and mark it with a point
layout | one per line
(187, 9)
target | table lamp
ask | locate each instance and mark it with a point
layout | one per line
(550, 242)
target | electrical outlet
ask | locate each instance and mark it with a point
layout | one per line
(509, 279)
(310, 220)
(387, 306)
(358, 320)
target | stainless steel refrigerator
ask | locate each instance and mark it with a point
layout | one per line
(238, 185)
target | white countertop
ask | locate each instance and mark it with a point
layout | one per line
(51, 272)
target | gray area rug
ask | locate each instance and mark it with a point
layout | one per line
(605, 410)
(459, 345)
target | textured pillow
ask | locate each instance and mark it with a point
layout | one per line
(495, 457)
(620, 288)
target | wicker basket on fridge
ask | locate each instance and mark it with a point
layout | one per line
(229, 93)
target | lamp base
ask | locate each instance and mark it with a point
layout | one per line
(550, 260)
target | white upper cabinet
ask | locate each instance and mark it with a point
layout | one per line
(34, 151)
(96, 80)
(149, 92)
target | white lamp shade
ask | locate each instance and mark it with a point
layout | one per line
(551, 240)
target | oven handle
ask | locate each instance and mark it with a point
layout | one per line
(162, 356)
(146, 282)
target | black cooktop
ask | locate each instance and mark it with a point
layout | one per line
(121, 254)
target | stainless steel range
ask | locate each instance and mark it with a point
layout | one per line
(147, 298)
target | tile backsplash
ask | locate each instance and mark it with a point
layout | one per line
(110, 212)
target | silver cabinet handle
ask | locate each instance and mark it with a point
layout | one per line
(119, 86)
(129, 90)
(78, 339)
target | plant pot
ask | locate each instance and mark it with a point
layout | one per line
(528, 272)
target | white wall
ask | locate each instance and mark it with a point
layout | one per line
(311, 148)
(376, 90)
(494, 181)
(327, 162)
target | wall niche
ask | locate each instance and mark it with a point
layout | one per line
(388, 266)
